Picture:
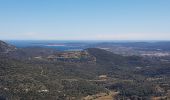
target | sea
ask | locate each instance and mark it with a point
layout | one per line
(68, 45)
(73, 45)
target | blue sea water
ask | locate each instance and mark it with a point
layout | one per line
(58, 45)
(70, 45)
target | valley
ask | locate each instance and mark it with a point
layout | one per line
(94, 73)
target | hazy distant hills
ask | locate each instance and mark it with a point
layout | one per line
(5, 48)
(157, 45)
(23, 53)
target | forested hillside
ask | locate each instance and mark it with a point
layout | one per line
(46, 74)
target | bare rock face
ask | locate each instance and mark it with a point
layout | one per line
(5, 48)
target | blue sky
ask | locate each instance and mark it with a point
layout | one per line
(85, 19)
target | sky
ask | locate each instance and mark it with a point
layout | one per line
(84, 19)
